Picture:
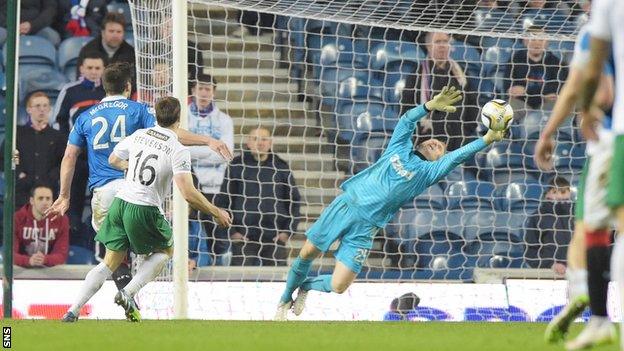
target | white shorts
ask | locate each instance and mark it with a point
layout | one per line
(597, 214)
(101, 201)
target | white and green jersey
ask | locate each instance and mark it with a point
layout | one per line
(154, 155)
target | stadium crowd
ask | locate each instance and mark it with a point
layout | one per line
(399, 68)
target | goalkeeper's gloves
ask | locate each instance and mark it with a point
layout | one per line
(493, 135)
(445, 100)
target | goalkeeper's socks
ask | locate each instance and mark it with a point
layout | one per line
(320, 283)
(577, 282)
(149, 270)
(598, 259)
(92, 283)
(296, 276)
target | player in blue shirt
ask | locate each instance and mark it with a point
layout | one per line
(99, 129)
(371, 198)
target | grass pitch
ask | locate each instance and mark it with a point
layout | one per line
(318, 336)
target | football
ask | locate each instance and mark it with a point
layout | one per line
(497, 115)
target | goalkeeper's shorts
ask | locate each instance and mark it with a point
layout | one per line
(339, 222)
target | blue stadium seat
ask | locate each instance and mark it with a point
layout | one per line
(35, 52)
(2, 111)
(80, 255)
(68, 55)
(391, 61)
(331, 77)
(518, 197)
(562, 49)
(366, 151)
(569, 157)
(129, 38)
(493, 20)
(508, 163)
(469, 195)
(43, 79)
(356, 120)
(124, 9)
(552, 20)
(344, 53)
(432, 198)
(495, 254)
(467, 56)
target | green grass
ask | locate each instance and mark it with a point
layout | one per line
(322, 336)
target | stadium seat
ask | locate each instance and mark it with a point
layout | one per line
(344, 52)
(518, 197)
(2, 111)
(68, 55)
(43, 79)
(2, 83)
(432, 198)
(469, 195)
(562, 49)
(467, 56)
(495, 254)
(124, 9)
(35, 52)
(366, 151)
(80, 255)
(493, 20)
(569, 157)
(391, 61)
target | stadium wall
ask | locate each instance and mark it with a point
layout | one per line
(516, 300)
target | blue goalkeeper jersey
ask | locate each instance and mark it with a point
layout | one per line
(379, 191)
(104, 125)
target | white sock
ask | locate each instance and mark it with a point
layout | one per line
(149, 270)
(577, 282)
(617, 274)
(92, 283)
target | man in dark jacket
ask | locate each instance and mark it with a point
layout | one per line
(40, 149)
(260, 191)
(110, 43)
(433, 74)
(549, 230)
(36, 17)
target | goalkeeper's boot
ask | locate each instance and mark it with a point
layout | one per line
(598, 331)
(300, 300)
(282, 310)
(69, 317)
(127, 302)
(558, 327)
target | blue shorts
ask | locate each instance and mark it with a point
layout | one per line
(339, 222)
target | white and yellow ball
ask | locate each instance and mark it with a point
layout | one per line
(497, 115)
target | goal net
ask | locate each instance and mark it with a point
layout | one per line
(310, 93)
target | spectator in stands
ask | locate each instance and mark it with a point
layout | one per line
(36, 17)
(205, 118)
(536, 74)
(434, 73)
(254, 23)
(110, 43)
(40, 149)
(39, 241)
(260, 191)
(77, 18)
(76, 97)
(549, 230)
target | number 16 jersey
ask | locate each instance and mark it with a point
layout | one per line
(101, 127)
(154, 155)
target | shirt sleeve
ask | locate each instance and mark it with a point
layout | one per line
(600, 20)
(147, 117)
(402, 135)
(440, 168)
(581, 50)
(182, 161)
(77, 135)
(122, 149)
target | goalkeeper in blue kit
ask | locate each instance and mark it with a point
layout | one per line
(371, 198)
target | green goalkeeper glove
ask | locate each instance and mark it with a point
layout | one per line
(445, 100)
(493, 135)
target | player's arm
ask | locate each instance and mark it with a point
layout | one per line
(68, 166)
(444, 101)
(440, 168)
(121, 153)
(599, 50)
(184, 182)
(189, 139)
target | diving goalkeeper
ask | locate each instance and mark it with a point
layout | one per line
(371, 198)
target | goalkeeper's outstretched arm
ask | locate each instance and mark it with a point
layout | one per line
(440, 168)
(444, 101)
